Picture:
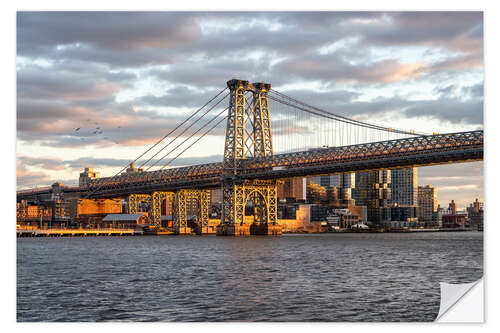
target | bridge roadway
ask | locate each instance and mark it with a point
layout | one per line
(415, 151)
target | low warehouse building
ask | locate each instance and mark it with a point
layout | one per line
(127, 221)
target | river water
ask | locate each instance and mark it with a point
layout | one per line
(321, 277)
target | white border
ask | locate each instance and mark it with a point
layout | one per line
(7, 132)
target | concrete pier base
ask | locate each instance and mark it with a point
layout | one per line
(265, 230)
(233, 230)
(183, 231)
(201, 230)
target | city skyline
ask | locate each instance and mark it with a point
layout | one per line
(136, 86)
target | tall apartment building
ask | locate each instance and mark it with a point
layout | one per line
(315, 193)
(427, 203)
(475, 212)
(404, 186)
(477, 205)
(326, 181)
(452, 207)
(361, 188)
(293, 188)
(347, 181)
(338, 186)
(373, 190)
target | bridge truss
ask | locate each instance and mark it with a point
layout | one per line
(418, 151)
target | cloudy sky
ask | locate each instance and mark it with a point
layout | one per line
(137, 75)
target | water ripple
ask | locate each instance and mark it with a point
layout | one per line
(332, 277)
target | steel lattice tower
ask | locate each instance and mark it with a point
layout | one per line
(248, 135)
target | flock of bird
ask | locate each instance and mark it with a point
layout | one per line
(93, 131)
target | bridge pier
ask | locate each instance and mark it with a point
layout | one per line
(135, 199)
(182, 199)
(265, 230)
(263, 194)
(233, 230)
(158, 198)
(182, 230)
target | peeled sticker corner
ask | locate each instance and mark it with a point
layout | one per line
(456, 306)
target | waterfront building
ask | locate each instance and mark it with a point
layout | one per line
(287, 211)
(475, 213)
(339, 187)
(477, 205)
(427, 204)
(315, 180)
(442, 210)
(452, 207)
(405, 213)
(313, 213)
(361, 187)
(32, 215)
(293, 190)
(319, 213)
(360, 211)
(454, 220)
(437, 219)
(315, 193)
(342, 218)
(332, 196)
(347, 181)
(87, 175)
(94, 207)
(126, 221)
(328, 181)
(404, 186)
(372, 189)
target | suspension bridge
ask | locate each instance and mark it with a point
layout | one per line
(298, 140)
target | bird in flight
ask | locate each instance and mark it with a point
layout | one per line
(76, 129)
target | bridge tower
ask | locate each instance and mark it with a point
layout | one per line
(248, 135)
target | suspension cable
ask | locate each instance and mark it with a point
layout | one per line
(336, 117)
(184, 131)
(159, 141)
(347, 120)
(327, 114)
(193, 134)
(182, 152)
(352, 121)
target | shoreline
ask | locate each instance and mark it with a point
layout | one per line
(28, 233)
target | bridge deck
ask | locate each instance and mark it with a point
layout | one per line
(415, 151)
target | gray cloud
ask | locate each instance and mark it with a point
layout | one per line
(55, 163)
(446, 108)
(72, 66)
(463, 182)
(27, 178)
(104, 36)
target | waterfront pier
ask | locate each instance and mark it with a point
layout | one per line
(76, 232)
